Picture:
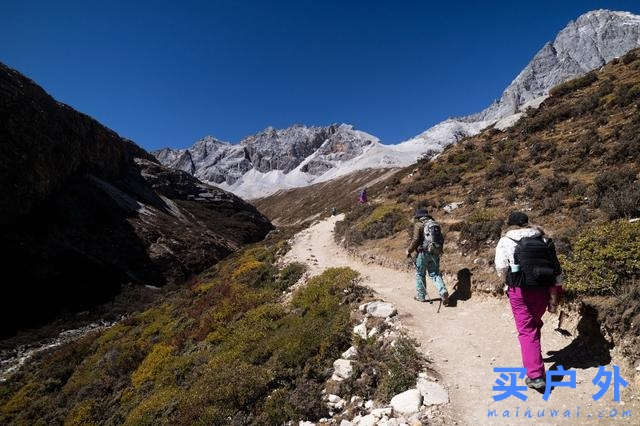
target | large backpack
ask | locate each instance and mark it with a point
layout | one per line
(538, 263)
(433, 241)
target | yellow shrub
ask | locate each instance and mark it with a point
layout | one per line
(605, 258)
(20, 399)
(159, 356)
(152, 408)
(81, 414)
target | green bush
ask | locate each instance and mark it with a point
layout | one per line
(605, 259)
(384, 220)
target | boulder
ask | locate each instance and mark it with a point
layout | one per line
(345, 423)
(350, 353)
(381, 309)
(407, 402)
(368, 420)
(360, 330)
(342, 368)
(336, 402)
(432, 393)
(380, 412)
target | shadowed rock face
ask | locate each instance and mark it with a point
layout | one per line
(84, 211)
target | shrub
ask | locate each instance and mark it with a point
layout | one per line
(605, 259)
(552, 202)
(481, 226)
(572, 85)
(629, 57)
(609, 182)
(503, 168)
(382, 371)
(290, 275)
(385, 220)
(622, 203)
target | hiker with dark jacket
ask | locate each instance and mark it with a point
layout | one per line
(529, 269)
(428, 252)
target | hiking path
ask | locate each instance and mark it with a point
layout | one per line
(465, 342)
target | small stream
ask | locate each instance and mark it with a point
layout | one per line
(11, 360)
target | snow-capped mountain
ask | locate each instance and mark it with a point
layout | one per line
(278, 159)
(583, 45)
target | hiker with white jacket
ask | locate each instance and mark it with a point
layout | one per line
(527, 264)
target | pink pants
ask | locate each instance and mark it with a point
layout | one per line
(528, 306)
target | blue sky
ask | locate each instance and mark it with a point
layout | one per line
(168, 73)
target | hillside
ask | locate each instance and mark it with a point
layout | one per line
(85, 212)
(571, 164)
(299, 206)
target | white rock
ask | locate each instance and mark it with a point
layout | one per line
(432, 393)
(452, 206)
(336, 402)
(350, 353)
(305, 423)
(407, 402)
(367, 420)
(360, 330)
(357, 401)
(372, 332)
(333, 398)
(381, 309)
(342, 368)
(380, 412)
(368, 405)
(336, 378)
(345, 423)
(363, 307)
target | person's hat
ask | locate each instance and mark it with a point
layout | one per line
(518, 219)
(421, 212)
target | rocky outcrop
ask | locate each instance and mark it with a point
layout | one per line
(583, 45)
(300, 153)
(84, 211)
(269, 150)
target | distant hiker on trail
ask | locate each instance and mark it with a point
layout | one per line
(362, 199)
(526, 262)
(428, 242)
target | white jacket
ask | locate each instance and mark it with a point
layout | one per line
(506, 248)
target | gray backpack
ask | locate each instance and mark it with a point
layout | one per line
(433, 241)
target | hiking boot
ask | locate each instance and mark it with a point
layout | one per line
(538, 383)
(421, 299)
(445, 299)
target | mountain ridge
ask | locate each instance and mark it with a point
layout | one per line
(584, 44)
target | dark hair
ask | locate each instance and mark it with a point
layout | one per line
(421, 212)
(518, 219)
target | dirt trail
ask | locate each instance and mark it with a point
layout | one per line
(465, 342)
